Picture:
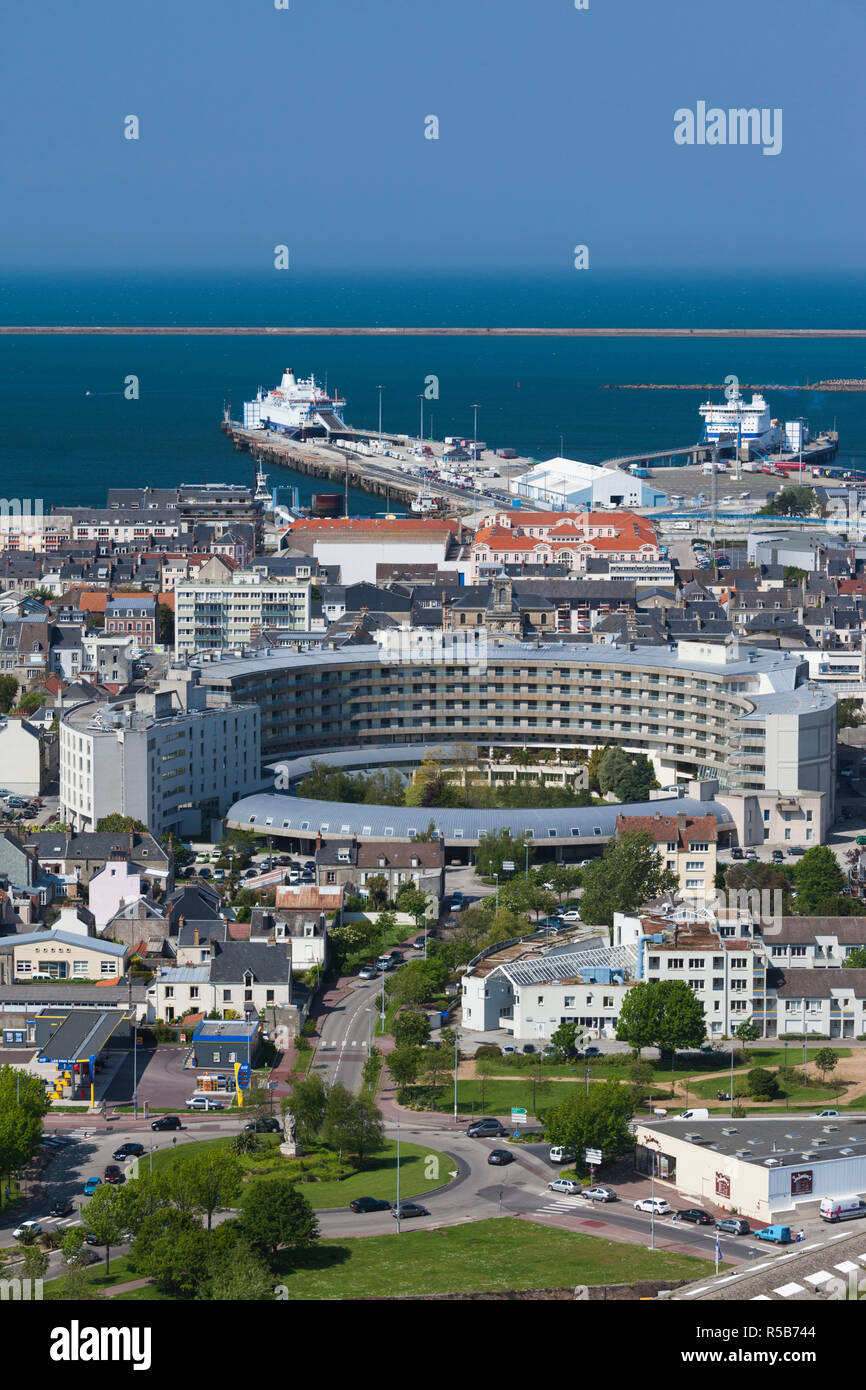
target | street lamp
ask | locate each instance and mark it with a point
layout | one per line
(650, 1140)
(421, 435)
(475, 434)
(380, 389)
(496, 876)
(456, 1063)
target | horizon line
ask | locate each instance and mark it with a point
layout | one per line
(173, 330)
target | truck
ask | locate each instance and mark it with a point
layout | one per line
(778, 1235)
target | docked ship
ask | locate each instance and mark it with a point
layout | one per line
(737, 422)
(298, 406)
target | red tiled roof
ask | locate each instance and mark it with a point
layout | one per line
(684, 830)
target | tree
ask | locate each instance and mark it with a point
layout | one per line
(404, 1064)
(793, 500)
(436, 1064)
(849, 714)
(629, 873)
(663, 1014)
(103, 1217)
(826, 1060)
(117, 824)
(762, 1084)
(593, 765)
(595, 1121)
(564, 1039)
(172, 1249)
(418, 981)
(496, 849)
(614, 765)
(8, 693)
(414, 901)
(243, 1277)
(142, 1196)
(308, 1104)
(73, 1247)
(165, 625)
(411, 1029)
(216, 1177)
(352, 1123)
(819, 880)
(640, 1074)
(34, 1262)
(274, 1215)
(377, 889)
(748, 1031)
(856, 959)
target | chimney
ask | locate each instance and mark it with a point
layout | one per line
(195, 935)
(180, 921)
(318, 841)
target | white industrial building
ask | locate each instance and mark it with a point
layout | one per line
(562, 484)
(164, 758)
(768, 1169)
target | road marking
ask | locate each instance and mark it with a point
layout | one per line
(704, 1289)
(785, 1290)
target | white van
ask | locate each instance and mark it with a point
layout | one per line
(841, 1208)
(682, 526)
(694, 1115)
(560, 1154)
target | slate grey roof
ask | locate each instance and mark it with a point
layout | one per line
(269, 964)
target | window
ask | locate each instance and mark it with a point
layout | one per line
(696, 963)
(675, 963)
(169, 991)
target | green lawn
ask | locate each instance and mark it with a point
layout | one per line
(500, 1095)
(421, 1169)
(481, 1256)
(818, 1096)
(119, 1273)
(478, 1257)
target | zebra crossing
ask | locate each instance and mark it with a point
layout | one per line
(558, 1206)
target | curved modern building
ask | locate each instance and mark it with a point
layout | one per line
(745, 718)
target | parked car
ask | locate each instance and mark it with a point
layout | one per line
(365, 1204)
(112, 1173)
(407, 1209)
(367, 972)
(128, 1151)
(167, 1122)
(572, 915)
(456, 901)
(205, 1103)
(91, 1239)
(27, 1230)
(419, 943)
(796, 850)
(826, 1115)
(91, 1185)
(659, 1205)
(560, 1154)
(599, 1193)
(751, 854)
(498, 1158)
(592, 1051)
(482, 1129)
(734, 1226)
(736, 852)
(269, 1125)
(564, 1185)
(528, 1048)
(777, 856)
(696, 1216)
(62, 1208)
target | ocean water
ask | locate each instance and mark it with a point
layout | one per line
(67, 432)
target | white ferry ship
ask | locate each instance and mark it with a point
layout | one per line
(739, 422)
(297, 405)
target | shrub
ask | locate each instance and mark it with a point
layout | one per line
(303, 1044)
(308, 1028)
(488, 1050)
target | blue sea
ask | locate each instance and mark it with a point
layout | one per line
(67, 432)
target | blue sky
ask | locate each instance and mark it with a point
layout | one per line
(306, 127)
